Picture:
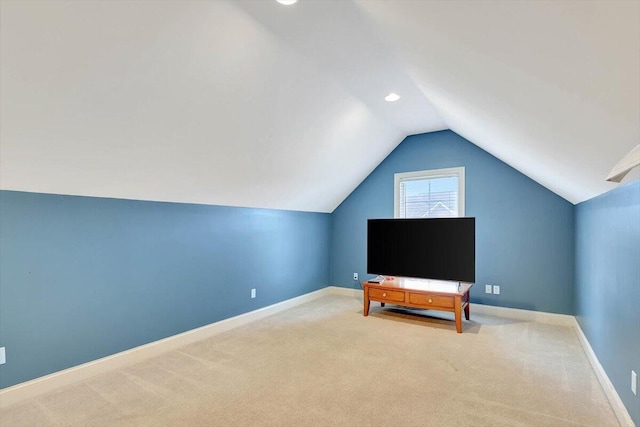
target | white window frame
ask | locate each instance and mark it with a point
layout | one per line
(427, 174)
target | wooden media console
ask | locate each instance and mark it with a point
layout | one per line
(453, 297)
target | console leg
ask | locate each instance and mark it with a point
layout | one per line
(365, 310)
(458, 314)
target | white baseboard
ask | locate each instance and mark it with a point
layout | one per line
(519, 314)
(614, 399)
(51, 382)
(347, 292)
(565, 320)
(548, 318)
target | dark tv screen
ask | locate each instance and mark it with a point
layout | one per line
(429, 248)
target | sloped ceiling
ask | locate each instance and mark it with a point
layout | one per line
(263, 105)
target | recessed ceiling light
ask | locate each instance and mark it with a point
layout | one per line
(287, 2)
(392, 97)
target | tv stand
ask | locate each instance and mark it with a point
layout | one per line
(420, 294)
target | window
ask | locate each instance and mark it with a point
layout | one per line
(430, 194)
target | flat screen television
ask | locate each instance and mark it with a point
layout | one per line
(427, 248)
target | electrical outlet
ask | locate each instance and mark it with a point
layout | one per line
(253, 293)
(355, 276)
(487, 289)
(496, 289)
(634, 382)
(3, 356)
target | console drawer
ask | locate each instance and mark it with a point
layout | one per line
(431, 300)
(386, 295)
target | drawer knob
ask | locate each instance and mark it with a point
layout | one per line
(430, 300)
(384, 294)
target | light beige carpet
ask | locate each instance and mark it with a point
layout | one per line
(324, 364)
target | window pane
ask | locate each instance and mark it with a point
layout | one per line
(430, 197)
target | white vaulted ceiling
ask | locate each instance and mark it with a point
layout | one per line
(258, 104)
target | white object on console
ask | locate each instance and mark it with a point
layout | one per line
(432, 285)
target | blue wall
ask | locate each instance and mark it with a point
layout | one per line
(524, 232)
(83, 277)
(607, 297)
